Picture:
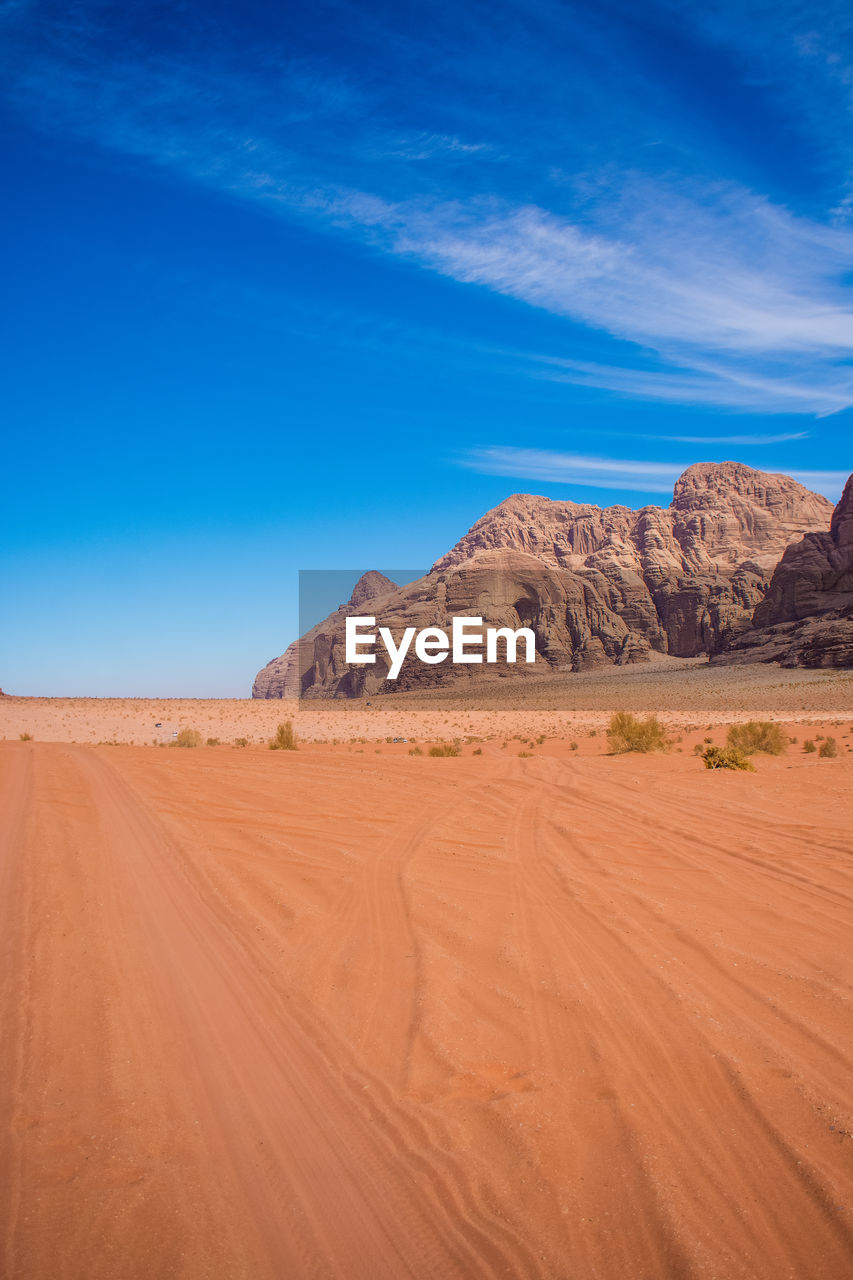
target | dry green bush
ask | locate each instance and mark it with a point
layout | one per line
(628, 733)
(757, 737)
(188, 738)
(446, 749)
(25, 737)
(285, 739)
(241, 742)
(809, 746)
(213, 742)
(415, 751)
(726, 758)
(828, 749)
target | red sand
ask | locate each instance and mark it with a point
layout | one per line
(271, 1014)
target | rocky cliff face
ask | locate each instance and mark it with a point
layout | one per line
(281, 678)
(597, 585)
(805, 618)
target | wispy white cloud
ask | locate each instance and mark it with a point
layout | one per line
(577, 469)
(749, 439)
(552, 467)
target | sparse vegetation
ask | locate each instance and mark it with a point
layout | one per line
(188, 738)
(25, 737)
(757, 737)
(477, 752)
(828, 749)
(285, 739)
(628, 733)
(573, 746)
(809, 746)
(213, 742)
(727, 758)
(416, 751)
(241, 742)
(445, 749)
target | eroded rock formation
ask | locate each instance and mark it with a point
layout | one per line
(805, 618)
(597, 585)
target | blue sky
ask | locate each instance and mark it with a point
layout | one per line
(315, 285)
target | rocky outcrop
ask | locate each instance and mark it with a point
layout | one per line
(597, 585)
(681, 576)
(281, 677)
(805, 618)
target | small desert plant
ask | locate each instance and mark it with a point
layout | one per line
(828, 749)
(628, 733)
(446, 749)
(699, 750)
(241, 742)
(188, 738)
(809, 746)
(284, 739)
(573, 746)
(478, 751)
(757, 737)
(25, 737)
(213, 742)
(525, 755)
(726, 758)
(416, 751)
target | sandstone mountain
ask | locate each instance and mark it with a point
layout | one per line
(806, 616)
(597, 585)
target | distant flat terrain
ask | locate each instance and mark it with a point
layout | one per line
(686, 692)
(335, 1013)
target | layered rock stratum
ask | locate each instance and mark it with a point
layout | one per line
(805, 618)
(596, 585)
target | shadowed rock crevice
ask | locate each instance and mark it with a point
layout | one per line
(806, 616)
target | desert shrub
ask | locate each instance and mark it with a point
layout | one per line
(698, 749)
(213, 742)
(478, 751)
(416, 751)
(25, 737)
(525, 755)
(188, 738)
(446, 749)
(241, 742)
(828, 749)
(726, 758)
(573, 746)
(757, 737)
(809, 746)
(284, 739)
(628, 733)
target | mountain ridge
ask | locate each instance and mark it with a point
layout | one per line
(596, 584)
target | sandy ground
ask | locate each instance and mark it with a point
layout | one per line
(684, 693)
(330, 1014)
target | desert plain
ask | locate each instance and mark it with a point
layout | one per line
(351, 1011)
